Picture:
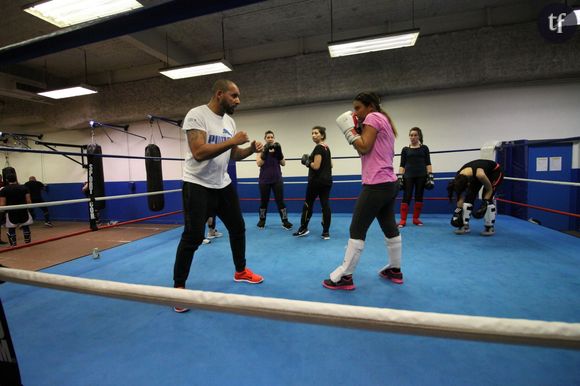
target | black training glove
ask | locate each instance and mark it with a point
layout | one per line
(306, 160)
(265, 151)
(430, 182)
(457, 219)
(401, 180)
(277, 151)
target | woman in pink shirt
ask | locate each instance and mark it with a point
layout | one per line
(375, 143)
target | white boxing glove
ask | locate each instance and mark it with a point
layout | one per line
(347, 124)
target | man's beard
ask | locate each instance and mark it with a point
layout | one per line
(228, 109)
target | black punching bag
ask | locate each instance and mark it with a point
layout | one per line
(8, 170)
(154, 178)
(95, 172)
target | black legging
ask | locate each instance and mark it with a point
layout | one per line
(417, 184)
(375, 201)
(43, 209)
(198, 201)
(12, 235)
(278, 189)
(313, 190)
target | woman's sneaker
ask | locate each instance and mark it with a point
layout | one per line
(489, 231)
(213, 233)
(345, 283)
(287, 225)
(325, 236)
(301, 232)
(463, 230)
(392, 275)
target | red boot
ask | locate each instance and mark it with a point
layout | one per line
(417, 213)
(404, 212)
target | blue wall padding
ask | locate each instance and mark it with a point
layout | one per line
(559, 197)
(514, 160)
(340, 195)
(575, 200)
(519, 160)
(343, 197)
(119, 210)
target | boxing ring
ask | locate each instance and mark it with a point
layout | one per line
(480, 311)
(67, 337)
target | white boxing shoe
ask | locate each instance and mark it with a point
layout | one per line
(213, 233)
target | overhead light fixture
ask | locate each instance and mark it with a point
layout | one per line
(68, 92)
(573, 18)
(189, 71)
(64, 13)
(373, 43)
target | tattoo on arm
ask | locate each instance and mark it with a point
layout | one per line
(239, 153)
(196, 139)
(194, 136)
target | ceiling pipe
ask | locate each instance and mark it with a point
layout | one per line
(127, 23)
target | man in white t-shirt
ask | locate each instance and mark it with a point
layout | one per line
(207, 188)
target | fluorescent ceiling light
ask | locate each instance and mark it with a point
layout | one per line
(68, 92)
(200, 69)
(373, 43)
(573, 18)
(64, 13)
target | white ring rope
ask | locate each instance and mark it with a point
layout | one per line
(297, 182)
(478, 328)
(567, 183)
(81, 200)
(436, 179)
(544, 181)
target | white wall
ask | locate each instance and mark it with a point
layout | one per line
(454, 119)
(58, 169)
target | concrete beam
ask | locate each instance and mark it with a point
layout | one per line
(107, 28)
(157, 45)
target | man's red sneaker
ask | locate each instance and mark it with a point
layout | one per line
(248, 276)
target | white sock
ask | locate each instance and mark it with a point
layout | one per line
(350, 261)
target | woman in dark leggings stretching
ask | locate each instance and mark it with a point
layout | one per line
(319, 164)
(466, 185)
(416, 174)
(375, 144)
